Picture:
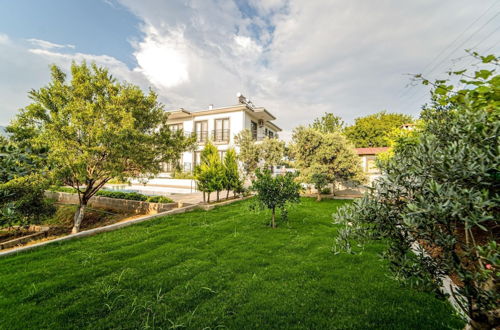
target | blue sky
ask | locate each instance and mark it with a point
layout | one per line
(93, 26)
(297, 58)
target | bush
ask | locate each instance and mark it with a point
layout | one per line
(440, 193)
(22, 201)
(275, 192)
(326, 191)
(159, 199)
(133, 196)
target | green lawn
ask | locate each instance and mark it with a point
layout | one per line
(219, 269)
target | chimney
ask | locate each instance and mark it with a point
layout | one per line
(210, 106)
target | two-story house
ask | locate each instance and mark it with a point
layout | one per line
(220, 125)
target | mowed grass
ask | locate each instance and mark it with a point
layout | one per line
(219, 269)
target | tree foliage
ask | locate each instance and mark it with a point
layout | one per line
(329, 123)
(440, 193)
(97, 129)
(275, 192)
(232, 179)
(329, 154)
(271, 151)
(373, 130)
(249, 153)
(22, 186)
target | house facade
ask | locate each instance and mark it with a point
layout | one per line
(219, 125)
(368, 158)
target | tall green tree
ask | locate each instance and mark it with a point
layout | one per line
(328, 123)
(97, 129)
(231, 173)
(210, 174)
(373, 130)
(329, 154)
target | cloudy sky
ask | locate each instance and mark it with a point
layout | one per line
(297, 58)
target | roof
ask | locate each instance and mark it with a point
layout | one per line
(257, 112)
(371, 151)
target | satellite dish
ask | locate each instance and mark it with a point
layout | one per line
(238, 94)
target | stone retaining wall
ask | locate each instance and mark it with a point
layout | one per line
(120, 205)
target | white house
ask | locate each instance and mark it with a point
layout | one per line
(220, 125)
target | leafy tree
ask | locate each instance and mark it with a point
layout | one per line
(22, 186)
(271, 151)
(275, 192)
(440, 193)
(249, 153)
(329, 154)
(210, 173)
(97, 129)
(329, 123)
(372, 130)
(231, 174)
(320, 181)
(22, 201)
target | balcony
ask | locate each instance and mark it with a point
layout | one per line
(220, 135)
(201, 136)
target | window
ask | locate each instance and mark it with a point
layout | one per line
(222, 154)
(221, 131)
(371, 164)
(253, 129)
(201, 129)
(271, 134)
(175, 127)
(197, 158)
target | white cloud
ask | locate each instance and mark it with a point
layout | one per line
(297, 58)
(163, 59)
(48, 45)
(4, 39)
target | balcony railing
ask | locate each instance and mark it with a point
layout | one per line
(201, 136)
(220, 135)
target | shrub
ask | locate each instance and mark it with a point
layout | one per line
(133, 196)
(159, 199)
(275, 192)
(22, 201)
(441, 193)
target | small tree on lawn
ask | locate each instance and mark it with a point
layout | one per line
(275, 192)
(249, 153)
(320, 181)
(97, 129)
(209, 174)
(231, 173)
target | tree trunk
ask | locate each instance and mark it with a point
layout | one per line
(77, 221)
(208, 197)
(204, 198)
(218, 195)
(227, 195)
(318, 198)
(273, 223)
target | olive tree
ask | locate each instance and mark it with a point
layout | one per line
(437, 204)
(271, 151)
(97, 129)
(328, 154)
